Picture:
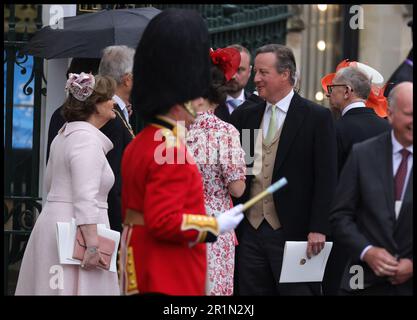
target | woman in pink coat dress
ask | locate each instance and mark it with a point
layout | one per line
(78, 178)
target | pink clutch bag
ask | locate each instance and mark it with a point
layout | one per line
(106, 248)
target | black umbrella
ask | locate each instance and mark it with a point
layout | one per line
(86, 35)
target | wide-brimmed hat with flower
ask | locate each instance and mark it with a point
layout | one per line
(376, 99)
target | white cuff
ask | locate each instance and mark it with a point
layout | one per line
(365, 251)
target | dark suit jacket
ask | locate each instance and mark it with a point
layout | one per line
(222, 111)
(356, 125)
(363, 209)
(117, 132)
(306, 156)
(56, 123)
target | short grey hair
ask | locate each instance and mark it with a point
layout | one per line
(285, 59)
(116, 61)
(357, 80)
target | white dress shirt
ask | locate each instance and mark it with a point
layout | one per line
(122, 106)
(281, 114)
(241, 97)
(396, 160)
(359, 104)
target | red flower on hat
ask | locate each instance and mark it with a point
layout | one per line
(228, 59)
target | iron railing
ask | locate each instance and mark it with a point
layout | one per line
(21, 166)
(251, 25)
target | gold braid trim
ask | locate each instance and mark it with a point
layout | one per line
(132, 284)
(201, 223)
(125, 123)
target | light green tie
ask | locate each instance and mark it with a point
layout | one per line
(272, 128)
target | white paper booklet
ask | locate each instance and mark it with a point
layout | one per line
(296, 267)
(65, 235)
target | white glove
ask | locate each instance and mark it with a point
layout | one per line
(230, 219)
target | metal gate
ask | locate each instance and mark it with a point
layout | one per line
(250, 25)
(22, 81)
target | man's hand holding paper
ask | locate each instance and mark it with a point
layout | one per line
(295, 266)
(315, 243)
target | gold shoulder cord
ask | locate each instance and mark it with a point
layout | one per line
(125, 123)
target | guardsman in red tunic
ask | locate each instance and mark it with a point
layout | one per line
(165, 227)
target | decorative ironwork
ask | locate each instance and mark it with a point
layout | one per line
(26, 89)
(20, 215)
(21, 202)
(97, 7)
(20, 63)
(26, 16)
(249, 25)
(25, 212)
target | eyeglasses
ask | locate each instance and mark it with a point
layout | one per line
(330, 87)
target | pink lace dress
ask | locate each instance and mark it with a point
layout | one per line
(216, 149)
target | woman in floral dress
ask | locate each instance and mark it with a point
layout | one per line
(216, 149)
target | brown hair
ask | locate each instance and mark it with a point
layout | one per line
(284, 56)
(217, 90)
(75, 110)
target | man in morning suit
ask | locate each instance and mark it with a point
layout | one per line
(348, 93)
(296, 140)
(373, 207)
(236, 93)
(117, 62)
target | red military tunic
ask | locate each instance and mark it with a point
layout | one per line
(166, 253)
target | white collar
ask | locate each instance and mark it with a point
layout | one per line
(284, 103)
(359, 104)
(119, 102)
(70, 127)
(241, 96)
(396, 146)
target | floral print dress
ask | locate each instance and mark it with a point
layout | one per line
(215, 147)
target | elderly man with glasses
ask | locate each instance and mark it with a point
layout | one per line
(347, 96)
(348, 93)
